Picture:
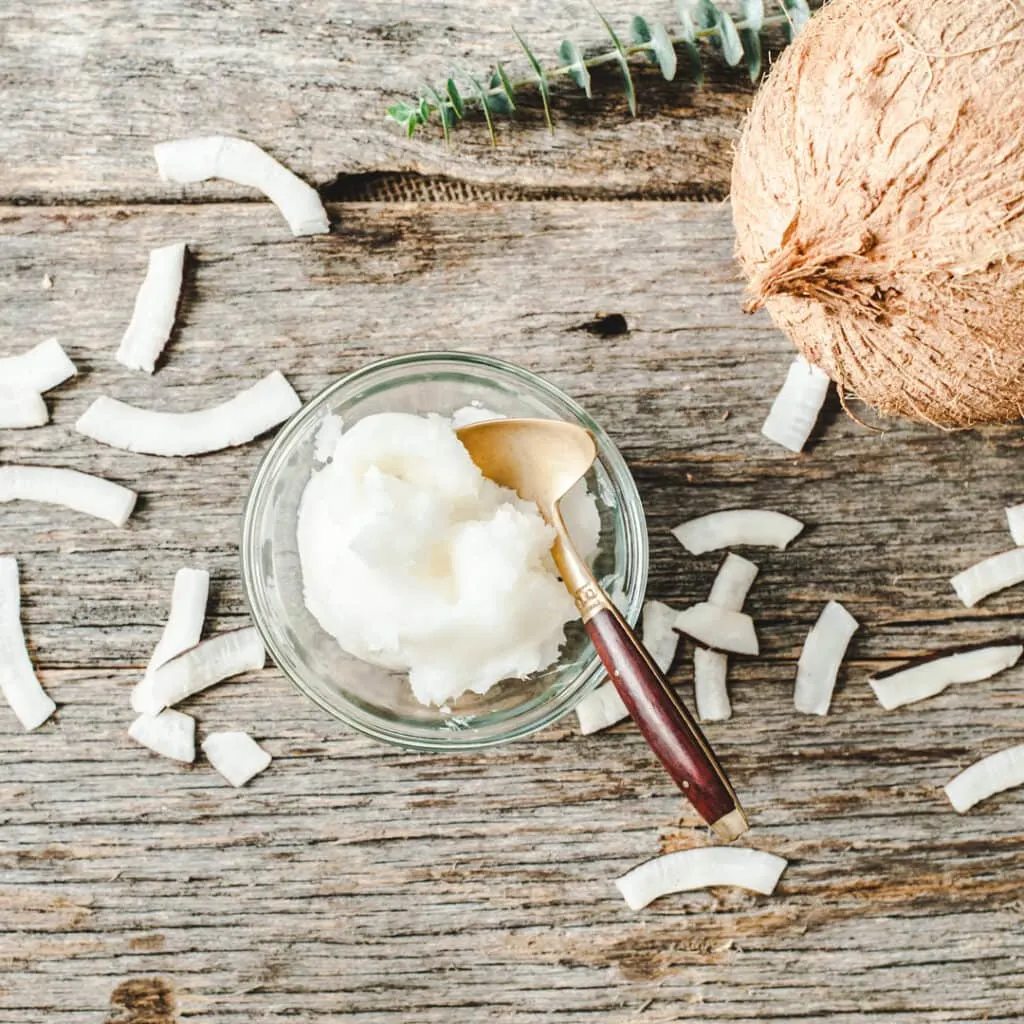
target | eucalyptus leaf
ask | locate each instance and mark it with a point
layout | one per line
(572, 57)
(704, 13)
(443, 113)
(753, 14)
(686, 28)
(751, 52)
(798, 14)
(481, 94)
(456, 97)
(732, 48)
(623, 62)
(542, 81)
(501, 102)
(694, 65)
(641, 34)
(664, 51)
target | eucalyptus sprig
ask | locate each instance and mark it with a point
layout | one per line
(699, 20)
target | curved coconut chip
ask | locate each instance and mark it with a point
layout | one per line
(733, 583)
(984, 778)
(932, 674)
(989, 575)
(79, 491)
(1015, 521)
(797, 405)
(22, 409)
(186, 161)
(183, 629)
(205, 665)
(236, 755)
(710, 689)
(718, 628)
(18, 681)
(687, 870)
(754, 527)
(600, 709)
(170, 734)
(658, 633)
(156, 306)
(239, 420)
(39, 369)
(822, 654)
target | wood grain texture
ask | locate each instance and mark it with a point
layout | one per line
(87, 88)
(359, 883)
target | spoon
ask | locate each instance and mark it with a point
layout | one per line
(541, 460)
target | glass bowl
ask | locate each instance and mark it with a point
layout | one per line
(374, 700)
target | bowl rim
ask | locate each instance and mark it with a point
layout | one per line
(592, 672)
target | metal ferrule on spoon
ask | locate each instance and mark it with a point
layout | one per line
(541, 460)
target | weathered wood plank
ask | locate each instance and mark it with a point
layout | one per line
(88, 88)
(360, 883)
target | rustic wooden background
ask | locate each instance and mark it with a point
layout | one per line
(360, 883)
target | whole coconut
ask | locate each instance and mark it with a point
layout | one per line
(878, 197)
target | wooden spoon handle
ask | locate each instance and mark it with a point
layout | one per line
(667, 726)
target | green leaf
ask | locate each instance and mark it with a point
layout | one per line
(752, 52)
(686, 29)
(400, 112)
(573, 60)
(505, 102)
(623, 61)
(664, 51)
(797, 13)
(456, 97)
(481, 93)
(732, 48)
(424, 110)
(694, 65)
(704, 13)
(444, 113)
(753, 14)
(658, 49)
(542, 82)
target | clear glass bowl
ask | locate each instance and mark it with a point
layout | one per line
(372, 699)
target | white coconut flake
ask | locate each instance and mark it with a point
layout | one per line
(239, 420)
(170, 734)
(467, 415)
(990, 775)
(79, 491)
(719, 628)
(182, 631)
(18, 682)
(236, 755)
(205, 665)
(733, 583)
(186, 161)
(20, 409)
(328, 434)
(600, 709)
(930, 676)
(688, 870)
(184, 624)
(659, 635)
(710, 671)
(823, 653)
(1015, 521)
(156, 306)
(797, 405)
(39, 369)
(754, 527)
(992, 574)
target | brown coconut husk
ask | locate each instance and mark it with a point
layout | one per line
(878, 197)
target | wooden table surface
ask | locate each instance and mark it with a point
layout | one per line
(361, 883)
